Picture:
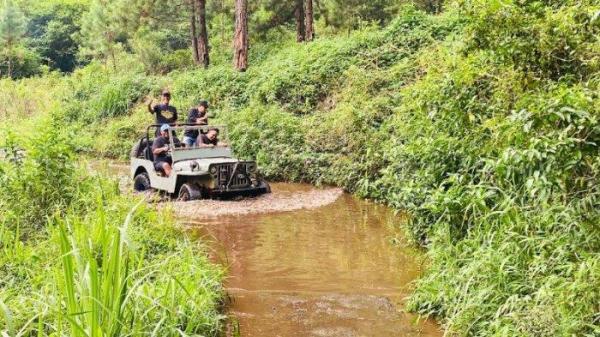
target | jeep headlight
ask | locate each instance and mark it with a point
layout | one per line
(213, 170)
(251, 167)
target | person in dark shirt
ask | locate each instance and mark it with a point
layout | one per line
(164, 113)
(196, 116)
(210, 139)
(160, 150)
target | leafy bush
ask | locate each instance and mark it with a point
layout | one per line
(487, 138)
(38, 183)
(99, 262)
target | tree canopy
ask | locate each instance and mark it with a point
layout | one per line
(164, 35)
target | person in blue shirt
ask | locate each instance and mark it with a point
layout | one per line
(161, 148)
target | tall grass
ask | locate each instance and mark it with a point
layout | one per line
(96, 263)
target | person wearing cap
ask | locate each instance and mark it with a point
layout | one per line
(196, 116)
(160, 150)
(165, 113)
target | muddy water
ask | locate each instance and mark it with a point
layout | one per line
(327, 271)
(307, 262)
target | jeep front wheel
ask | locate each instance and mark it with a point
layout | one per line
(141, 182)
(189, 192)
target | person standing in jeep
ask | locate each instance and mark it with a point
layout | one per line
(196, 116)
(165, 113)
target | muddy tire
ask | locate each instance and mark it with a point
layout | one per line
(141, 182)
(135, 150)
(189, 192)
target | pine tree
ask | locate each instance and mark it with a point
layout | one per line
(240, 40)
(202, 42)
(309, 31)
(100, 31)
(194, 32)
(12, 30)
(299, 15)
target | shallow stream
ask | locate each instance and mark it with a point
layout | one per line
(308, 262)
(341, 269)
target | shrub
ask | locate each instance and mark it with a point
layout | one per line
(99, 261)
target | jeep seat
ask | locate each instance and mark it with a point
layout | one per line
(147, 151)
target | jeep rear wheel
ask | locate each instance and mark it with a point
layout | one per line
(141, 182)
(189, 192)
(135, 150)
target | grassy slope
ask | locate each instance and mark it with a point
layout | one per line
(79, 259)
(482, 123)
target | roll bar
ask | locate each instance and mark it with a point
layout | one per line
(183, 125)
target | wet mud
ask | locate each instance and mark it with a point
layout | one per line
(281, 200)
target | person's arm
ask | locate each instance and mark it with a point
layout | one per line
(178, 143)
(202, 119)
(174, 115)
(159, 148)
(151, 108)
(201, 143)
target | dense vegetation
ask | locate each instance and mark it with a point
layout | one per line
(79, 259)
(482, 123)
(59, 35)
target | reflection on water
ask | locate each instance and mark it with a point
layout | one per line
(330, 271)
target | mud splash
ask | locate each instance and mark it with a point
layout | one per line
(283, 199)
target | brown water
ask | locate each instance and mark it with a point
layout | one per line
(309, 262)
(339, 270)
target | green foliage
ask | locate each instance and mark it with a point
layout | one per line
(97, 94)
(53, 30)
(155, 51)
(101, 32)
(12, 30)
(38, 185)
(19, 62)
(491, 147)
(79, 259)
(481, 123)
(12, 24)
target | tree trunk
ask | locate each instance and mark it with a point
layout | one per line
(10, 67)
(434, 6)
(439, 8)
(10, 56)
(203, 48)
(193, 33)
(299, 14)
(240, 39)
(308, 21)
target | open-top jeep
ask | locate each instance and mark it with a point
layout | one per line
(198, 172)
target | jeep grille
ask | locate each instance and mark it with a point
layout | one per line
(228, 179)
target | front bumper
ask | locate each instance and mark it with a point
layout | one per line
(241, 192)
